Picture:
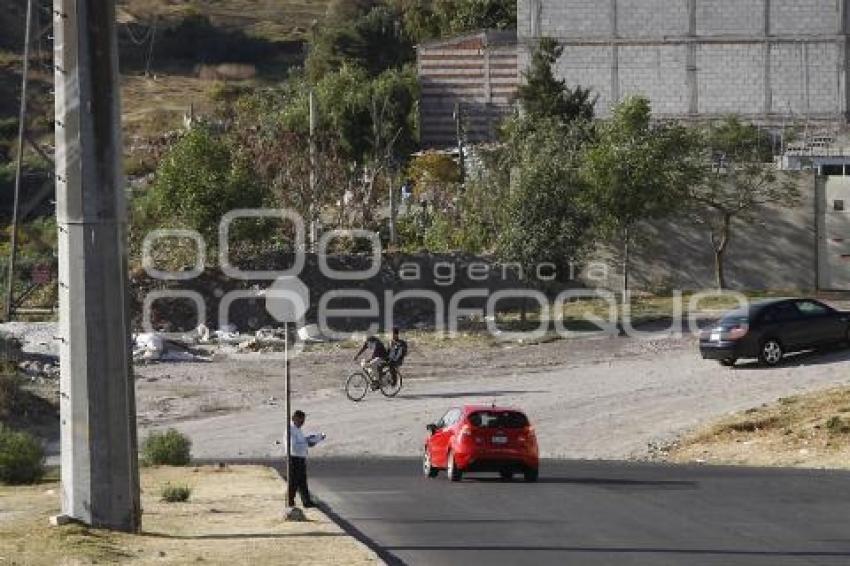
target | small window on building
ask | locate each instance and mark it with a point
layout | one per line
(839, 206)
(832, 170)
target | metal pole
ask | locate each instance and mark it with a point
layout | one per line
(460, 144)
(13, 253)
(393, 210)
(313, 174)
(287, 404)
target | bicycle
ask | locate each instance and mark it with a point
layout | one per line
(359, 383)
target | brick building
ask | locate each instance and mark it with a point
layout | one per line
(767, 60)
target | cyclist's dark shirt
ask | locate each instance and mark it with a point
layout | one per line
(376, 347)
(398, 351)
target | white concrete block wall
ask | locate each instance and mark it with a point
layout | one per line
(730, 17)
(659, 73)
(823, 87)
(731, 78)
(589, 67)
(575, 18)
(787, 79)
(523, 18)
(652, 18)
(804, 16)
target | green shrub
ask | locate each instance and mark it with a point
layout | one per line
(175, 493)
(21, 457)
(837, 425)
(10, 393)
(169, 448)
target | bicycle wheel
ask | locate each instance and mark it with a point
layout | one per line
(388, 388)
(357, 386)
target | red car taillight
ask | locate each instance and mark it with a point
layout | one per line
(527, 434)
(738, 332)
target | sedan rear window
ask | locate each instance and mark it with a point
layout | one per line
(735, 320)
(498, 419)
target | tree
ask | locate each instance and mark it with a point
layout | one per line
(544, 221)
(429, 19)
(368, 37)
(200, 180)
(460, 16)
(636, 171)
(544, 95)
(740, 178)
(371, 117)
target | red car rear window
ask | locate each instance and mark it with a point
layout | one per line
(498, 419)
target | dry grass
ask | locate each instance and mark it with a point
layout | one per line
(809, 431)
(233, 517)
(274, 20)
(155, 105)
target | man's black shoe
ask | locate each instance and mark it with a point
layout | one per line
(309, 505)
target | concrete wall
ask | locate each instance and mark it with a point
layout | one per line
(833, 200)
(776, 252)
(770, 60)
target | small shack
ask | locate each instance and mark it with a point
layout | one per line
(469, 83)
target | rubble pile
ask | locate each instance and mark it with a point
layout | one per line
(444, 274)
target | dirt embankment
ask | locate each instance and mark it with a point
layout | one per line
(806, 431)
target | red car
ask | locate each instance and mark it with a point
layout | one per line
(477, 438)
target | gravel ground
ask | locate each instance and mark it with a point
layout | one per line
(605, 398)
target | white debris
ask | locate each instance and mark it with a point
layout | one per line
(228, 337)
(203, 333)
(151, 347)
(311, 333)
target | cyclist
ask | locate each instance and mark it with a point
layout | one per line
(398, 351)
(378, 357)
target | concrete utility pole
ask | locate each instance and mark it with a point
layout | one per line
(100, 476)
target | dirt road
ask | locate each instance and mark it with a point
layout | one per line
(600, 399)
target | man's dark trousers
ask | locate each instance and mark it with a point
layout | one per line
(298, 482)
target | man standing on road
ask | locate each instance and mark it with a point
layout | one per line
(298, 453)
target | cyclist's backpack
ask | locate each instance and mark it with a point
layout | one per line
(398, 351)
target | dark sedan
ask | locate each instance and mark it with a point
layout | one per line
(767, 330)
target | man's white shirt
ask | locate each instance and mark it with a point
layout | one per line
(299, 442)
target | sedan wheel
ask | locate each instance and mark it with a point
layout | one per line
(427, 469)
(771, 352)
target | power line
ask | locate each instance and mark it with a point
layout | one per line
(147, 35)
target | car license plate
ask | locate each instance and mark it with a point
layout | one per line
(715, 337)
(500, 439)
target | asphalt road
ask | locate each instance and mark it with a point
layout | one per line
(591, 513)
